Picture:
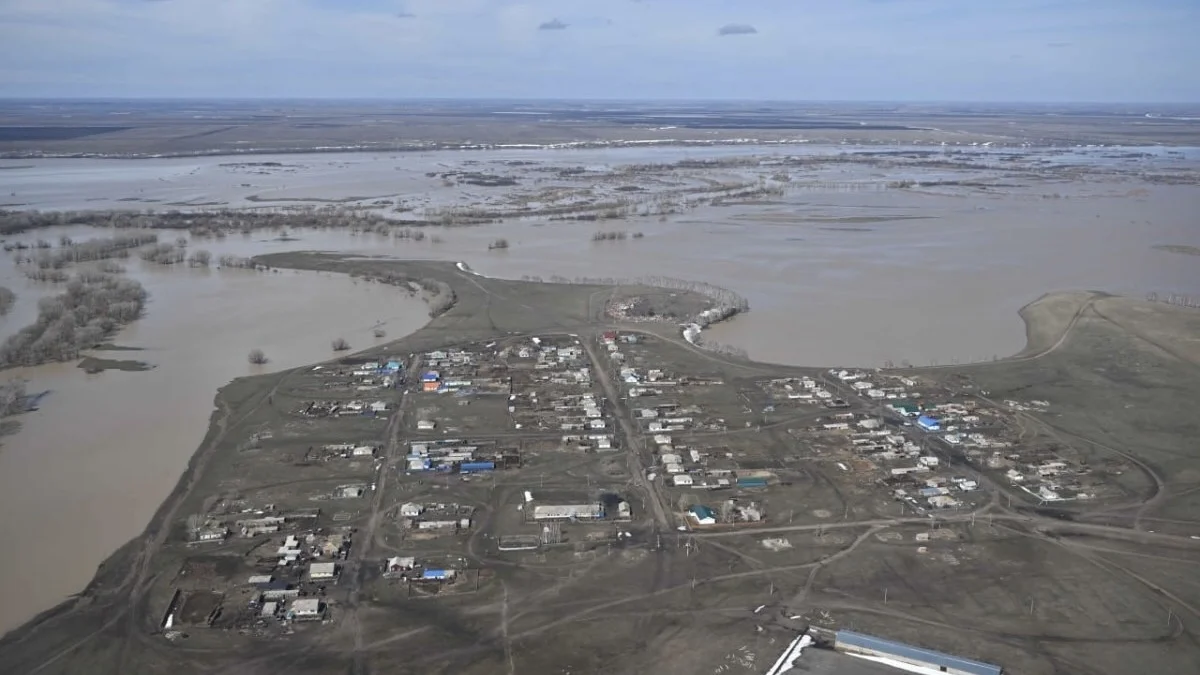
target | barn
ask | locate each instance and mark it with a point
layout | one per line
(866, 645)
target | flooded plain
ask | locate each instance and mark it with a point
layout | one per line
(88, 469)
(837, 270)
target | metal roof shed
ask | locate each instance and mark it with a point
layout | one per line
(857, 643)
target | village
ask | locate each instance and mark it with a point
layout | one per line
(421, 475)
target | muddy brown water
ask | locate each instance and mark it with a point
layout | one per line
(833, 277)
(87, 470)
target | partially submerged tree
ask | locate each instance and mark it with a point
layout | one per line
(12, 397)
(200, 258)
(340, 345)
(93, 307)
(379, 333)
(257, 357)
(498, 243)
(7, 298)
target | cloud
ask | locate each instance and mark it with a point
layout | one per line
(405, 15)
(1058, 45)
(737, 29)
(553, 24)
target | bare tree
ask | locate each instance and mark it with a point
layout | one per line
(257, 357)
(93, 307)
(7, 298)
(340, 345)
(200, 258)
(727, 511)
(498, 243)
(12, 397)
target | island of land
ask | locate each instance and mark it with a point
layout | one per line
(549, 478)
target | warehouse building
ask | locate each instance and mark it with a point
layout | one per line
(866, 645)
(568, 512)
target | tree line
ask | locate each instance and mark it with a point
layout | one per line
(70, 252)
(90, 310)
(438, 294)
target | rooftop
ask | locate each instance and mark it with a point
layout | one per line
(847, 638)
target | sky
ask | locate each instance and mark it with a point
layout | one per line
(840, 50)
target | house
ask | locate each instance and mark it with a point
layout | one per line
(905, 408)
(379, 406)
(426, 425)
(212, 534)
(306, 609)
(929, 423)
(399, 564)
(269, 609)
(682, 480)
(321, 571)
(363, 451)
(411, 510)
(702, 515)
(1046, 493)
(943, 502)
(437, 575)
(437, 525)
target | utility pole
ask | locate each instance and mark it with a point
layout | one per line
(885, 595)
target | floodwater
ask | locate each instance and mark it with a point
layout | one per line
(85, 472)
(833, 277)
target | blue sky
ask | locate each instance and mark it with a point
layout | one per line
(906, 50)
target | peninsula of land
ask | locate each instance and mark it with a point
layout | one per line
(550, 477)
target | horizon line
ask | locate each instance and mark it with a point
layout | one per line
(386, 99)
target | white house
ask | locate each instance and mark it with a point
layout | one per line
(322, 570)
(306, 609)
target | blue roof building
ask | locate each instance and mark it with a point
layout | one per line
(703, 514)
(430, 376)
(394, 366)
(857, 643)
(929, 423)
(436, 574)
(476, 467)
